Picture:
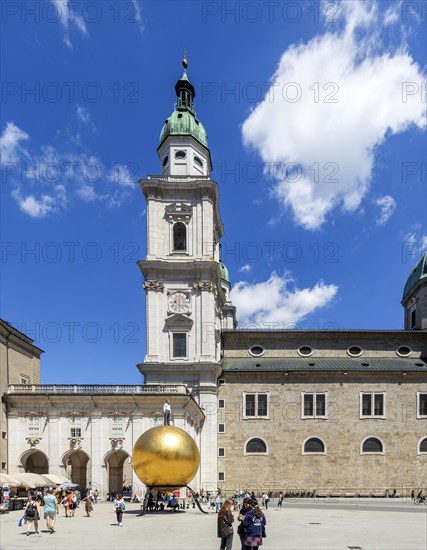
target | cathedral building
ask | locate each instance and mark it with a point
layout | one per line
(333, 411)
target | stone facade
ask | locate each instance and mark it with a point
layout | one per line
(19, 363)
(285, 377)
(87, 433)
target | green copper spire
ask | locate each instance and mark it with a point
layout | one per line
(183, 121)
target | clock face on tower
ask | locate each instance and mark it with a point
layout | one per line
(179, 302)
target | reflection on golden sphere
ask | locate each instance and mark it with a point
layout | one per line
(165, 457)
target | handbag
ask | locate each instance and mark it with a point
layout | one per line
(22, 521)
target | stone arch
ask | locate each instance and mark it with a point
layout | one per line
(78, 467)
(35, 461)
(119, 469)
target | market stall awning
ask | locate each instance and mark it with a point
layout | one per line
(54, 479)
(11, 481)
(32, 480)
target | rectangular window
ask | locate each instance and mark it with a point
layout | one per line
(372, 405)
(33, 426)
(422, 405)
(179, 345)
(221, 404)
(255, 405)
(3, 465)
(221, 451)
(75, 427)
(221, 476)
(117, 425)
(314, 405)
(4, 435)
(221, 428)
(413, 318)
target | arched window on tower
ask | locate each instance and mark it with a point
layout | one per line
(179, 237)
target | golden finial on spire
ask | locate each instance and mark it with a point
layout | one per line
(184, 61)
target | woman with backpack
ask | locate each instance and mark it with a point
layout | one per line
(119, 507)
(225, 527)
(32, 515)
(254, 524)
(247, 504)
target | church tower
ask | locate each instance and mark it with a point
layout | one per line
(186, 289)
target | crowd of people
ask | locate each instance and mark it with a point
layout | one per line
(49, 503)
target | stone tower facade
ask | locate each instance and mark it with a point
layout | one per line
(186, 294)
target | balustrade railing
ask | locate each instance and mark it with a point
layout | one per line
(99, 388)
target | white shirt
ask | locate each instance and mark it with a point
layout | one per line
(166, 407)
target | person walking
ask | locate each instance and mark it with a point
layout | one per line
(225, 525)
(32, 515)
(119, 507)
(88, 504)
(266, 500)
(254, 524)
(72, 503)
(247, 503)
(218, 502)
(280, 501)
(51, 509)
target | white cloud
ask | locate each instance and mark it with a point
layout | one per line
(387, 207)
(120, 174)
(10, 143)
(44, 182)
(84, 117)
(414, 244)
(36, 208)
(332, 131)
(137, 14)
(272, 301)
(68, 16)
(245, 268)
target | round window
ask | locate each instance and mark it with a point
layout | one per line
(355, 351)
(165, 160)
(305, 351)
(256, 351)
(198, 161)
(180, 155)
(403, 351)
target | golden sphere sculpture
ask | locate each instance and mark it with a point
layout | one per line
(165, 457)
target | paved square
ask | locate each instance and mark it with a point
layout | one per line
(333, 524)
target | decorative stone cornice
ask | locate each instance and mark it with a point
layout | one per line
(155, 285)
(33, 441)
(178, 211)
(75, 443)
(204, 285)
(116, 443)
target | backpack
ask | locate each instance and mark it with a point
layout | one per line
(120, 507)
(31, 511)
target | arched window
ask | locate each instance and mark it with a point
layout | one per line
(372, 445)
(180, 236)
(314, 445)
(256, 445)
(423, 446)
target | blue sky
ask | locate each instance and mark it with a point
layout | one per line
(315, 116)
